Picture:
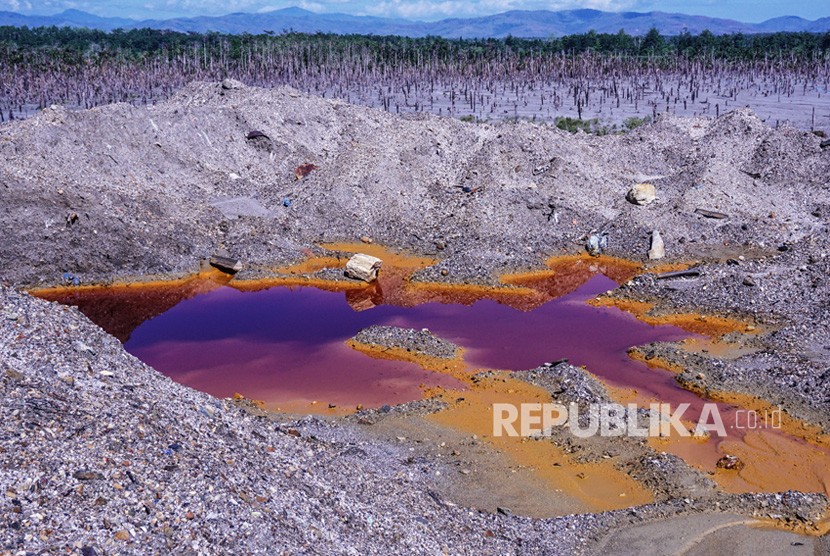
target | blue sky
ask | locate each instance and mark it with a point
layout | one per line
(742, 10)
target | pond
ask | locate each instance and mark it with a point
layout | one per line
(285, 344)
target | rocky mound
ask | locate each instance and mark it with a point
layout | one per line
(120, 191)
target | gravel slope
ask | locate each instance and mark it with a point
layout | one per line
(119, 191)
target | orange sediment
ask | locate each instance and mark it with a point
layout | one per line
(453, 366)
(783, 421)
(708, 325)
(146, 299)
(600, 486)
(568, 272)
(391, 258)
(774, 462)
(655, 362)
(208, 278)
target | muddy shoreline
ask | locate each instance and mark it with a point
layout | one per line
(119, 193)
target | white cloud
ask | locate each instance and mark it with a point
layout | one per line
(16, 5)
(417, 9)
(269, 8)
(312, 6)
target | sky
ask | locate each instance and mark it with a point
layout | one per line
(741, 10)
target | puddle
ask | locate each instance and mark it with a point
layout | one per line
(285, 342)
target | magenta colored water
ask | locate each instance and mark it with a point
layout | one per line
(285, 344)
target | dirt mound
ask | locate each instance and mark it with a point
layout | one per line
(119, 191)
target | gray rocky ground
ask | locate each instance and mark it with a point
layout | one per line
(100, 453)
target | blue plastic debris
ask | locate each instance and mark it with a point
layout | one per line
(286, 202)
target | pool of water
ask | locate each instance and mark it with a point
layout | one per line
(287, 346)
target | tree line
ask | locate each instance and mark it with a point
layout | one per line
(77, 44)
(596, 75)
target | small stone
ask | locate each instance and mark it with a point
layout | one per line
(596, 244)
(83, 348)
(444, 272)
(303, 170)
(85, 475)
(122, 536)
(232, 84)
(641, 194)
(658, 247)
(225, 263)
(365, 239)
(732, 463)
(748, 281)
(440, 245)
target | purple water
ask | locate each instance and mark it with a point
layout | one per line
(287, 344)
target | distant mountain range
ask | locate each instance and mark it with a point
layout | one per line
(539, 23)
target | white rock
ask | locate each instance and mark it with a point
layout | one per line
(363, 267)
(641, 194)
(658, 248)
